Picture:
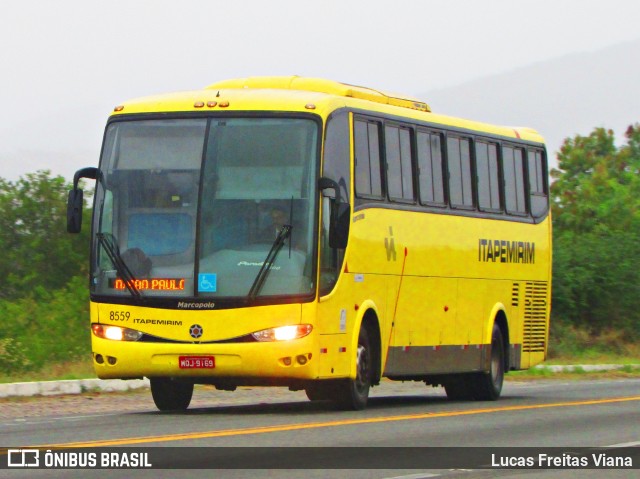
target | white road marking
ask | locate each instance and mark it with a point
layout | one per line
(52, 420)
(626, 444)
(75, 418)
(423, 475)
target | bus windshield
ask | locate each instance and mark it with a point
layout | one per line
(197, 207)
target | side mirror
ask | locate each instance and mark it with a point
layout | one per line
(75, 201)
(340, 221)
(340, 214)
(75, 204)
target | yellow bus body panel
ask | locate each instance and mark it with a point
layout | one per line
(239, 359)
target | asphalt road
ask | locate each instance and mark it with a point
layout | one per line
(550, 413)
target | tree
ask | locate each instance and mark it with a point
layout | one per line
(596, 215)
(36, 250)
(597, 185)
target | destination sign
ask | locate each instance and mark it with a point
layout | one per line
(154, 284)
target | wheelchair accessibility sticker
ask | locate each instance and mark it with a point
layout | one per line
(207, 283)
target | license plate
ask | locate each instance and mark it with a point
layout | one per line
(196, 362)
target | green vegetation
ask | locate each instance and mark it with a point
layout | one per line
(546, 373)
(570, 344)
(78, 369)
(44, 302)
(45, 328)
(44, 310)
(596, 218)
(37, 253)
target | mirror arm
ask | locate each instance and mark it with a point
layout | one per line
(90, 172)
(325, 183)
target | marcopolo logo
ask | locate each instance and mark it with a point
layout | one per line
(23, 458)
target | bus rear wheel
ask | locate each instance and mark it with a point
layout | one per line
(458, 387)
(170, 395)
(488, 386)
(353, 394)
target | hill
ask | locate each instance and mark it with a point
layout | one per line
(560, 98)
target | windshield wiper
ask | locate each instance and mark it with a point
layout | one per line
(283, 234)
(110, 245)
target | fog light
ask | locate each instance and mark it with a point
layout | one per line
(99, 359)
(111, 360)
(302, 360)
(286, 361)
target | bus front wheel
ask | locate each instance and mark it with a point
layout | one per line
(354, 393)
(170, 395)
(320, 391)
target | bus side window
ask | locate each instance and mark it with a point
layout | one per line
(430, 178)
(537, 185)
(336, 166)
(367, 149)
(513, 180)
(399, 168)
(487, 175)
(459, 161)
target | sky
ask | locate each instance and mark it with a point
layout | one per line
(66, 64)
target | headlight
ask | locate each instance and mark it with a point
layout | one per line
(115, 333)
(283, 333)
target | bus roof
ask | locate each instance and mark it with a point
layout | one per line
(294, 93)
(321, 85)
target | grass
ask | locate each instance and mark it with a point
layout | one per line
(628, 371)
(53, 372)
(629, 355)
(577, 347)
(569, 344)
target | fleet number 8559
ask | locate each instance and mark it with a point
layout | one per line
(119, 315)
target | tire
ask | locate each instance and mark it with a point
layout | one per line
(320, 391)
(488, 386)
(170, 395)
(353, 394)
(458, 388)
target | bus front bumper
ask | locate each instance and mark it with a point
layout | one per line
(295, 360)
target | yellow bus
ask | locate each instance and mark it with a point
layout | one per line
(300, 232)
